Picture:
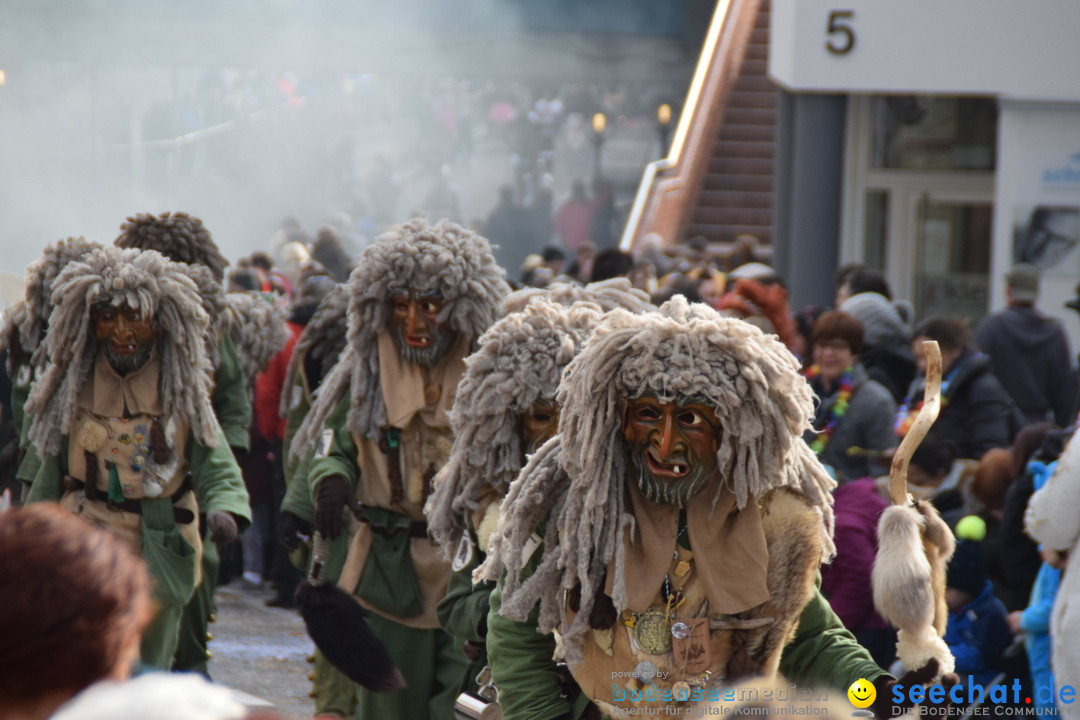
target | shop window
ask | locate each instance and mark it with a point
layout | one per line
(933, 132)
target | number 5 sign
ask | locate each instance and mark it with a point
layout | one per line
(912, 46)
(841, 34)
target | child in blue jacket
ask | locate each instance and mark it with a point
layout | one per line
(1034, 620)
(978, 629)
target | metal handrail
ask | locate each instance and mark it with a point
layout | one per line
(641, 197)
(693, 116)
(701, 73)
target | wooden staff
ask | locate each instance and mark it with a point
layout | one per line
(926, 416)
(914, 546)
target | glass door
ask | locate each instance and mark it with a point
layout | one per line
(918, 198)
(952, 263)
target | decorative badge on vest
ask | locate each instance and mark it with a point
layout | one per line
(464, 554)
(325, 441)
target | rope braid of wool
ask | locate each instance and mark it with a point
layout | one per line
(680, 352)
(26, 321)
(257, 327)
(445, 259)
(153, 286)
(323, 338)
(518, 363)
(184, 239)
(608, 294)
(178, 236)
(212, 295)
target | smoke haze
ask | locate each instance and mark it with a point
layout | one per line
(246, 113)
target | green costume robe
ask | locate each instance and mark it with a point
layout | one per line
(113, 427)
(232, 406)
(334, 692)
(297, 498)
(463, 611)
(392, 568)
(20, 391)
(230, 399)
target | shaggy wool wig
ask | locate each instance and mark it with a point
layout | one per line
(322, 340)
(151, 284)
(608, 294)
(212, 295)
(184, 239)
(518, 363)
(444, 259)
(577, 487)
(176, 235)
(26, 321)
(257, 328)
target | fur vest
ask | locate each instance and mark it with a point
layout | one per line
(738, 646)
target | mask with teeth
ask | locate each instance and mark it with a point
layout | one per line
(126, 337)
(420, 336)
(673, 447)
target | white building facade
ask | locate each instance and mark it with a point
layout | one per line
(935, 140)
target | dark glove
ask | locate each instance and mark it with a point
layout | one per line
(332, 495)
(290, 528)
(473, 650)
(223, 527)
(884, 707)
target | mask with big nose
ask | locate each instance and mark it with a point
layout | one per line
(420, 336)
(673, 447)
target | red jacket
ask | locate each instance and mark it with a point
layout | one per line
(269, 386)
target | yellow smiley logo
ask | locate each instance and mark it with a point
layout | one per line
(862, 693)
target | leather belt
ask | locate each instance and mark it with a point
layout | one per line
(417, 529)
(183, 516)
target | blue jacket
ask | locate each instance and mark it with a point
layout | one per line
(977, 634)
(1035, 621)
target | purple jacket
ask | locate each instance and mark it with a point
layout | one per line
(846, 580)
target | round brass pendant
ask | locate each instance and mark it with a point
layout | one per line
(652, 632)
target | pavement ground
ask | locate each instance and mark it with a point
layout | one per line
(261, 650)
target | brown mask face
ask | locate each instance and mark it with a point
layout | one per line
(126, 337)
(539, 424)
(672, 446)
(420, 336)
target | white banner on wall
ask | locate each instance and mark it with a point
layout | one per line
(1037, 203)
